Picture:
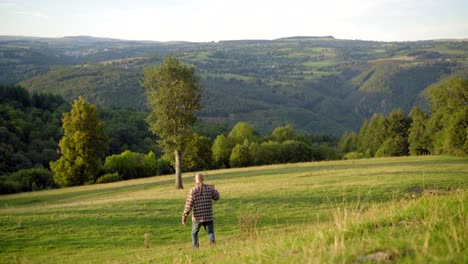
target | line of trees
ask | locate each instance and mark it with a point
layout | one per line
(83, 145)
(445, 131)
(84, 158)
(242, 148)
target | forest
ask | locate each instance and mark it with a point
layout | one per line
(31, 127)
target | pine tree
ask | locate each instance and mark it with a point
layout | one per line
(398, 125)
(363, 139)
(447, 125)
(455, 138)
(419, 142)
(376, 133)
(348, 142)
(83, 144)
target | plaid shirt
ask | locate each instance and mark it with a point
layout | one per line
(200, 199)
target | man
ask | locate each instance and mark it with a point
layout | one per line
(200, 200)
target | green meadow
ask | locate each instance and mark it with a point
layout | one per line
(321, 64)
(390, 210)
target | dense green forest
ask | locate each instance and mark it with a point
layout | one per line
(317, 84)
(31, 127)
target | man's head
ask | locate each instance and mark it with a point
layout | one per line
(198, 178)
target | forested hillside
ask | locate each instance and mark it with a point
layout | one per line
(317, 84)
(37, 130)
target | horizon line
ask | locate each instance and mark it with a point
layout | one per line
(226, 40)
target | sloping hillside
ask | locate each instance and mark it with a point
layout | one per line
(390, 84)
(319, 84)
(410, 209)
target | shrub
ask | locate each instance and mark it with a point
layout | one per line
(269, 153)
(164, 167)
(240, 156)
(129, 165)
(132, 165)
(397, 146)
(8, 186)
(272, 152)
(221, 150)
(198, 154)
(295, 151)
(353, 155)
(109, 177)
(27, 180)
(323, 152)
(249, 223)
(151, 164)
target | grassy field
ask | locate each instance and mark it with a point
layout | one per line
(401, 210)
(321, 64)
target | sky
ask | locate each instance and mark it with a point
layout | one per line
(215, 20)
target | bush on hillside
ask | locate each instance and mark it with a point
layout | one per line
(109, 177)
(353, 155)
(131, 165)
(27, 180)
(164, 167)
(265, 153)
(295, 151)
(393, 147)
(240, 156)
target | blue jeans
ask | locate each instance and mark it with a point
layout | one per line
(209, 227)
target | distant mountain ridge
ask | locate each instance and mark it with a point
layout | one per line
(318, 84)
(81, 38)
(307, 37)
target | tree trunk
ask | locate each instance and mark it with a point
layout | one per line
(178, 169)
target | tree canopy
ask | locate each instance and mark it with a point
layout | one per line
(82, 146)
(174, 95)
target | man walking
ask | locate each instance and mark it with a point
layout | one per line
(200, 200)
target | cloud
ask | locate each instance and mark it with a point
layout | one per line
(37, 14)
(7, 4)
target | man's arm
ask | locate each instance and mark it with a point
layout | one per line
(215, 195)
(188, 207)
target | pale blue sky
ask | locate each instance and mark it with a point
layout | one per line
(213, 20)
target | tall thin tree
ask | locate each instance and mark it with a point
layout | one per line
(173, 92)
(418, 138)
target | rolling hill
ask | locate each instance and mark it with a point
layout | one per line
(318, 84)
(410, 209)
